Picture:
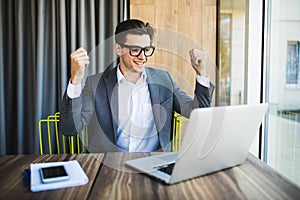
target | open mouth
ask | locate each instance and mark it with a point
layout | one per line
(139, 63)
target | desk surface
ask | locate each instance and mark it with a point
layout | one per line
(110, 179)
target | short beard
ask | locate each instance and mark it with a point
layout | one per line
(138, 70)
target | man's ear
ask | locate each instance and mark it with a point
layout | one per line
(118, 49)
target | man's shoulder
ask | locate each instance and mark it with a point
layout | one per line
(107, 74)
(94, 77)
(152, 70)
(158, 76)
(109, 71)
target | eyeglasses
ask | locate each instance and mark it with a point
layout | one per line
(137, 50)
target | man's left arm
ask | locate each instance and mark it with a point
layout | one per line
(204, 88)
(204, 93)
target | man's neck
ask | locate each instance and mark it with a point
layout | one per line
(131, 75)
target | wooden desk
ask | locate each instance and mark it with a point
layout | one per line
(110, 179)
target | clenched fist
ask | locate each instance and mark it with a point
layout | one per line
(198, 61)
(79, 61)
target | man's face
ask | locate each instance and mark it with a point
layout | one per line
(131, 63)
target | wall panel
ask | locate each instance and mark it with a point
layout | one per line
(181, 25)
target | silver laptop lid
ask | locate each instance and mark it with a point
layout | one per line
(217, 138)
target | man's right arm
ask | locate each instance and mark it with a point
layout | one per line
(73, 91)
(66, 122)
(71, 104)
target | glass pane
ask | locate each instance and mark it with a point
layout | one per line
(231, 52)
(225, 58)
(282, 141)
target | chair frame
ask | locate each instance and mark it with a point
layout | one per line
(65, 139)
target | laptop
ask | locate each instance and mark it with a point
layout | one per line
(215, 138)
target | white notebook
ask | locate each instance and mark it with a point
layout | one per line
(76, 173)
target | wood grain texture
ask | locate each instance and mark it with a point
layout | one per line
(109, 178)
(251, 180)
(12, 178)
(181, 25)
(143, 2)
(113, 175)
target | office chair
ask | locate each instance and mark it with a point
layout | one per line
(179, 123)
(50, 136)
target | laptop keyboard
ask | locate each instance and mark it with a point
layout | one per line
(168, 169)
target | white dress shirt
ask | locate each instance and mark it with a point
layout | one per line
(136, 129)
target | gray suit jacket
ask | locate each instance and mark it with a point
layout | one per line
(97, 107)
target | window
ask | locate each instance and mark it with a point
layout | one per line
(292, 65)
(282, 133)
(231, 50)
(225, 58)
(242, 38)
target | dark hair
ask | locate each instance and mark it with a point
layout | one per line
(133, 26)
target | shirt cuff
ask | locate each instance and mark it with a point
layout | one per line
(203, 80)
(73, 91)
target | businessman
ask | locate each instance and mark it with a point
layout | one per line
(130, 107)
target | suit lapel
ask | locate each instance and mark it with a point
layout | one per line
(154, 92)
(106, 103)
(110, 81)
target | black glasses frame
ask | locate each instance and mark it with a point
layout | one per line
(131, 47)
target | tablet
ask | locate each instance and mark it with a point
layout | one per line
(53, 174)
